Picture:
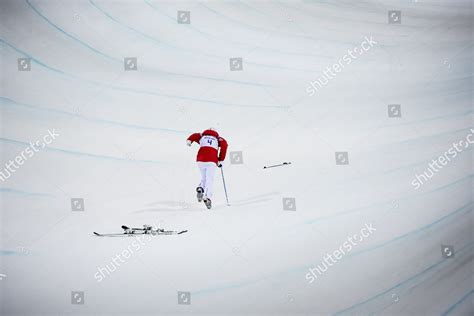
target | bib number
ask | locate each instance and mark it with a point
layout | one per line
(209, 141)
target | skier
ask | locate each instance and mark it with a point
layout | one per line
(209, 156)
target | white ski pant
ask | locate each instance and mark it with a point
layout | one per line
(207, 177)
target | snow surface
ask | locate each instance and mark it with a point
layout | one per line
(122, 149)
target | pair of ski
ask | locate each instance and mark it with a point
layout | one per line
(146, 230)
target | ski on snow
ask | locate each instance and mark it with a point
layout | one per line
(146, 230)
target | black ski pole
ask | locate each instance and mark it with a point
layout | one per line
(225, 189)
(279, 165)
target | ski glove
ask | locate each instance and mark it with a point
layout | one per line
(188, 142)
(219, 164)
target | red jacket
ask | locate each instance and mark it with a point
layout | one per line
(210, 142)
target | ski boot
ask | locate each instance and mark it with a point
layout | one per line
(200, 193)
(208, 203)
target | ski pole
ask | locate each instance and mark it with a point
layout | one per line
(225, 189)
(279, 165)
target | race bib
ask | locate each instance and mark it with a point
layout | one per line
(209, 141)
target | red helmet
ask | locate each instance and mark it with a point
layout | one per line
(211, 132)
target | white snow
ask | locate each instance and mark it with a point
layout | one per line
(122, 148)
